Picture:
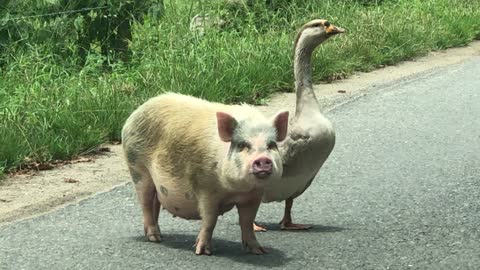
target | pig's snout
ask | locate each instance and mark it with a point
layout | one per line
(262, 167)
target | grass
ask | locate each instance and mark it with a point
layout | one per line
(52, 109)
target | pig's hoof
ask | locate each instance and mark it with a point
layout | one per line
(153, 234)
(254, 247)
(288, 226)
(258, 228)
(203, 247)
(154, 237)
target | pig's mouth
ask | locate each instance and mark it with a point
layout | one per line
(262, 174)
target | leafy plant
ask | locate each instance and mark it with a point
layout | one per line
(57, 101)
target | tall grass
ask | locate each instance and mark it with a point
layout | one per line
(52, 109)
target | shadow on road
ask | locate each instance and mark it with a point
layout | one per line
(224, 248)
(270, 226)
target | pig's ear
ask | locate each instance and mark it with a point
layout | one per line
(280, 122)
(226, 125)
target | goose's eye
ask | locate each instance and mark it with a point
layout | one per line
(326, 24)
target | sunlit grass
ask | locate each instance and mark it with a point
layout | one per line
(50, 109)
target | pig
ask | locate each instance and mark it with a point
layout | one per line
(199, 159)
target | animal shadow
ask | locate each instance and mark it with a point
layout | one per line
(270, 226)
(224, 248)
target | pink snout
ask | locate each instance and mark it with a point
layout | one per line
(262, 167)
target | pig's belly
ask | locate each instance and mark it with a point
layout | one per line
(177, 198)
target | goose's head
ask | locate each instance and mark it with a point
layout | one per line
(315, 32)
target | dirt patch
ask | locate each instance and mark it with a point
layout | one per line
(26, 195)
(35, 192)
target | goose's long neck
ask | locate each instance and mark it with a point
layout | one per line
(306, 98)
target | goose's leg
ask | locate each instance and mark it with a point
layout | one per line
(286, 223)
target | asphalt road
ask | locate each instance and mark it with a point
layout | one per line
(400, 191)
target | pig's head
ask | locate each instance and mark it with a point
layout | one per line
(253, 158)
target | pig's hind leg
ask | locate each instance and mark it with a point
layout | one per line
(147, 196)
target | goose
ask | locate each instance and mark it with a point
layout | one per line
(311, 136)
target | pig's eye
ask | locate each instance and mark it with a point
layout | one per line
(272, 146)
(243, 146)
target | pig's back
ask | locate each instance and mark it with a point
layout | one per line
(173, 129)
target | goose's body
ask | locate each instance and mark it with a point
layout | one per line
(311, 136)
(307, 147)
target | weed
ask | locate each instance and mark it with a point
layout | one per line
(52, 107)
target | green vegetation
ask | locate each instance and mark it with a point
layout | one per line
(56, 103)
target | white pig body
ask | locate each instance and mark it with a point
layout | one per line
(199, 163)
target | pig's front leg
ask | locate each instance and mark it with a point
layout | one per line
(247, 212)
(209, 208)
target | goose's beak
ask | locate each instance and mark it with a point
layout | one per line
(333, 30)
